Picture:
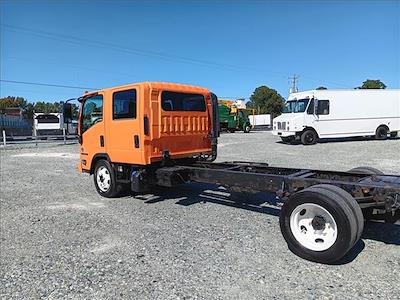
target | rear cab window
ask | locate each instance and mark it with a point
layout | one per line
(124, 104)
(174, 101)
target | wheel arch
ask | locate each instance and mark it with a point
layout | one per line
(96, 158)
(383, 125)
(309, 128)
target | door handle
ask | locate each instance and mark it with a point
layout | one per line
(136, 139)
(101, 141)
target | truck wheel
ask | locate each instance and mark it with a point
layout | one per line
(381, 133)
(394, 134)
(309, 137)
(319, 225)
(366, 170)
(246, 129)
(350, 201)
(104, 179)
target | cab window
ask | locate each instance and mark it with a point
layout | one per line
(92, 112)
(323, 107)
(124, 105)
(172, 101)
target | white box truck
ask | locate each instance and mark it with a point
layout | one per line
(258, 121)
(320, 114)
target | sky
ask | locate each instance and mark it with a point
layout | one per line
(230, 47)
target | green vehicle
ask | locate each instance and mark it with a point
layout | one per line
(232, 119)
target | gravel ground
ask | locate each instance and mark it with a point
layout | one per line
(59, 239)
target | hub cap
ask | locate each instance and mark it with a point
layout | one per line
(103, 179)
(310, 138)
(313, 227)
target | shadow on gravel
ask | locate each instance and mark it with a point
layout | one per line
(190, 194)
(382, 232)
(265, 203)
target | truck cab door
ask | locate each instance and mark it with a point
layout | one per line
(311, 118)
(91, 129)
(124, 132)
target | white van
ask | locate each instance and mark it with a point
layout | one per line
(315, 114)
(48, 123)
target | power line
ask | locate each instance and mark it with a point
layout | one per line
(131, 50)
(86, 88)
(148, 53)
(49, 84)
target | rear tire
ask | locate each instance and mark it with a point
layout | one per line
(381, 133)
(309, 137)
(105, 180)
(246, 129)
(318, 224)
(350, 201)
(366, 170)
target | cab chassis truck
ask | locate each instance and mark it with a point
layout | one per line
(141, 135)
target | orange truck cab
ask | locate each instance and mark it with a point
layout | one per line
(129, 130)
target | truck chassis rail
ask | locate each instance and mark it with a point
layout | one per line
(379, 191)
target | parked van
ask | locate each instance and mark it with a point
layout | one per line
(317, 114)
(48, 123)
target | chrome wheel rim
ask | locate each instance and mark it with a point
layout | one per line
(103, 179)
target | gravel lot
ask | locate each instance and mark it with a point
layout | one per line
(60, 239)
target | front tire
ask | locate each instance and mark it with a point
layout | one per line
(381, 133)
(319, 224)
(246, 129)
(309, 137)
(105, 180)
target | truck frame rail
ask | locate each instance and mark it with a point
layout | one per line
(379, 191)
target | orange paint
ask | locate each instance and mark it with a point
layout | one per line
(181, 133)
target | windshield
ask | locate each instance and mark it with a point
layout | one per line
(296, 106)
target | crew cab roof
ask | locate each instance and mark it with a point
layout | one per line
(157, 85)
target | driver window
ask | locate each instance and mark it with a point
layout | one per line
(92, 112)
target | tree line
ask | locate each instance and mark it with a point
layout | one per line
(264, 100)
(29, 108)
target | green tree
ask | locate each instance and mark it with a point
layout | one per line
(266, 101)
(75, 111)
(321, 88)
(47, 107)
(13, 102)
(372, 84)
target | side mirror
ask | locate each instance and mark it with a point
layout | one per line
(67, 112)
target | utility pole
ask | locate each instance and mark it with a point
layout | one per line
(294, 80)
